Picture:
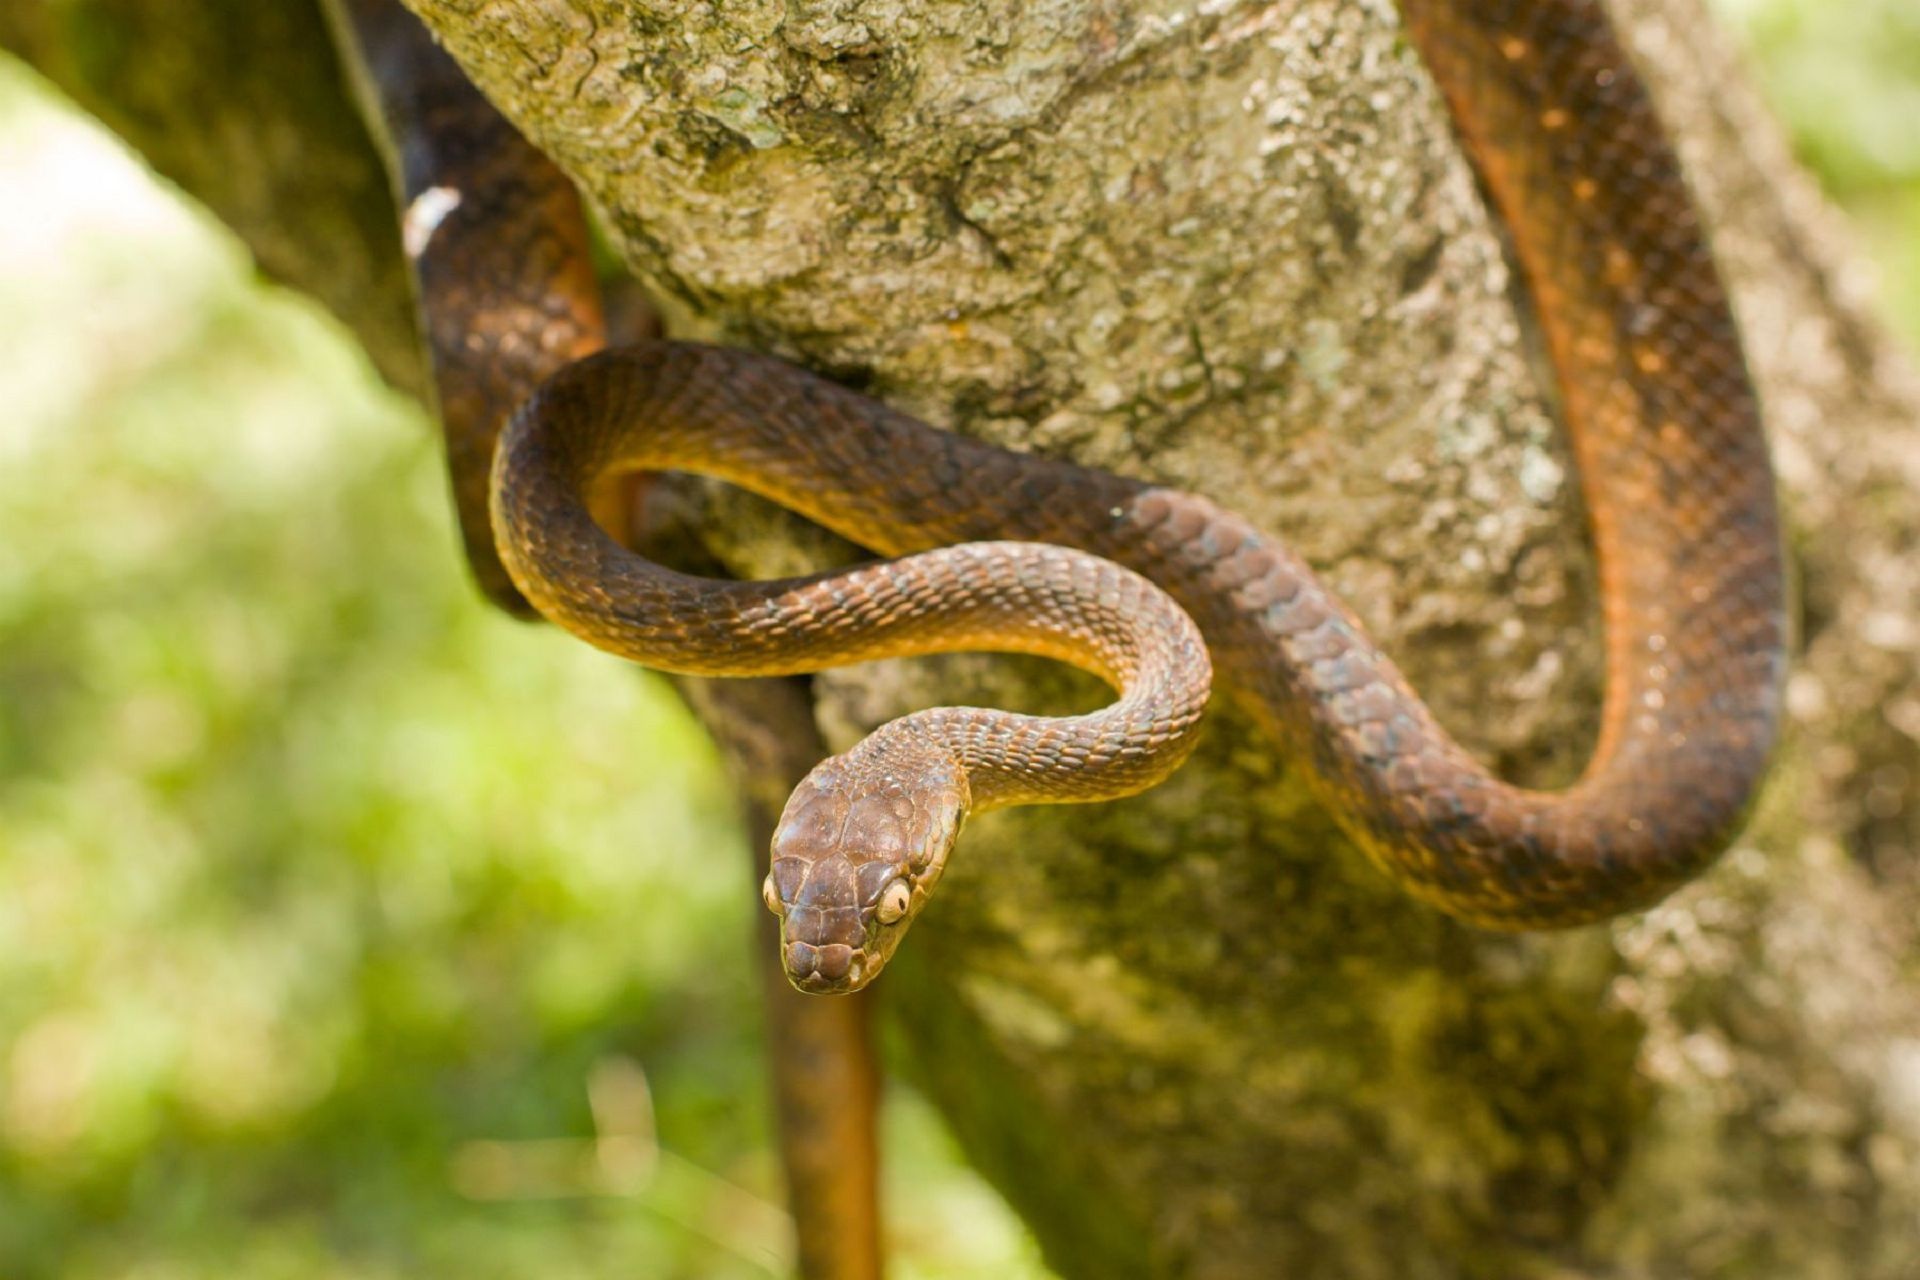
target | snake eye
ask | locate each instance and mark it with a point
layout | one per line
(894, 902)
(769, 894)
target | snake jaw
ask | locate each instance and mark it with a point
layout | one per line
(856, 854)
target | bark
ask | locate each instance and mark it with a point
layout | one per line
(1230, 245)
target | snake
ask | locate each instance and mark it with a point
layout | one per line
(986, 548)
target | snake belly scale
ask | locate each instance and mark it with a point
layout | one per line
(1674, 472)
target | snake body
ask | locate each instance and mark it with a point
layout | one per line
(865, 837)
(1673, 468)
(1674, 471)
(1660, 414)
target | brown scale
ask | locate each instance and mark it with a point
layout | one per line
(1673, 467)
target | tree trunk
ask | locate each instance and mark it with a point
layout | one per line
(1232, 247)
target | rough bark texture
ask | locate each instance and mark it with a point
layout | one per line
(1230, 245)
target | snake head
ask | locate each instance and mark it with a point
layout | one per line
(860, 845)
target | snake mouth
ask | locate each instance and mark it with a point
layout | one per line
(833, 967)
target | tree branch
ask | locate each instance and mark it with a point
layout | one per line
(243, 105)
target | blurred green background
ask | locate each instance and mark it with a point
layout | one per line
(346, 928)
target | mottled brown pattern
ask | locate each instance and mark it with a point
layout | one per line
(1674, 471)
(1656, 397)
(880, 819)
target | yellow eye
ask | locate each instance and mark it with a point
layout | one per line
(894, 902)
(770, 895)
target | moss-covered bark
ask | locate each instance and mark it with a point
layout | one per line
(1230, 245)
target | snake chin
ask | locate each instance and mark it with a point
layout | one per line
(857, 851)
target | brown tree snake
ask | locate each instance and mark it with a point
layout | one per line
(997, 550)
